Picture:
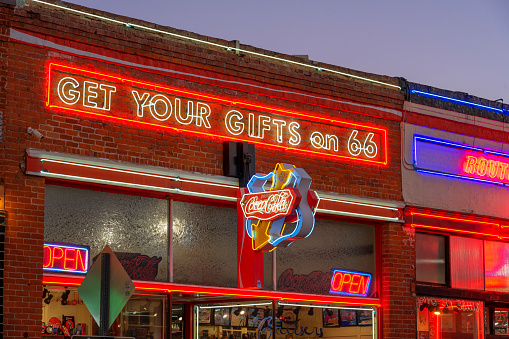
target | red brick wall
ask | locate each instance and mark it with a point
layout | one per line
(23, 97)
(398, 281)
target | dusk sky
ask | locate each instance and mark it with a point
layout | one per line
(455, 45)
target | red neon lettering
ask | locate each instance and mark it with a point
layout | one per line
(355, 283)
(55, 255)
(69, 258)
(364, 284)
(345, 281)
(337, 281)
(470, 164)
(81, 260)
(47, 255)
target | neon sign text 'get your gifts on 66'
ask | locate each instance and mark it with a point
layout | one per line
(154, 104)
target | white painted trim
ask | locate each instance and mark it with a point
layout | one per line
(455, 116)
(217, 179)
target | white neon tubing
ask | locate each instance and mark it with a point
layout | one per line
(137, 173)
(232, 306)
(219, 45)
(360, 204)
(360, 215)
(125, 184)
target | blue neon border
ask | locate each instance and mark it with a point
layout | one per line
(54, 244)
(351, 272)
(460, 146)
(461, 102)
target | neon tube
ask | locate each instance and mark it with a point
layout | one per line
(137, 173)
(239, 305)
(229, 48)
(457, 101)
(124, 184)
(325, 306)
(360, 204)
(454, 230)
(361, 215)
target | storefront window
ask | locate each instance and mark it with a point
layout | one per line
(430, 258)
(143, 318)
(255, 321)
(134, 227)
(496, 266)
(64, 313)
(204, 250)
(501, 321)
(446, 318)
(307, 268)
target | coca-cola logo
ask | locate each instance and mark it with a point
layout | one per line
(269, 205)
(316, 282)
(141, 267)
(138, 266)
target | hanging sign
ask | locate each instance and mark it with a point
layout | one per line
(456, 160)
(154, 104)
(282, 214)
(65, 258)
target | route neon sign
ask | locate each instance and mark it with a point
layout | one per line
(350, 283)
(155, 105)
(452, 159)
(65, 258)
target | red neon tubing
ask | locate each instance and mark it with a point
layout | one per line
(382, 131)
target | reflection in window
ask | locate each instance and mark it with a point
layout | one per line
(134, 227)
(446, 318)
(430, 258)
(204, 245)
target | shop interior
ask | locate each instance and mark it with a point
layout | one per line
(144, 317)
(244, 320)
(446, 318)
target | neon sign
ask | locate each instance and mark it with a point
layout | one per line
(154, 105)
(65, 258)
(451, 159)
(269, 205)
(284, 213)
(350, 283)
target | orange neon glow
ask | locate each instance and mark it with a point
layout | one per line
(383, 157)
(447, 229)
(166, 288)
(445, 217)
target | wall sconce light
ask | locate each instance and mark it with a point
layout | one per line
(296, 310)
(48, 299)
(35, 133)
(65, 296)
(279, 311)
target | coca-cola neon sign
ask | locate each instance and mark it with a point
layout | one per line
(269, 205)
(282, 214)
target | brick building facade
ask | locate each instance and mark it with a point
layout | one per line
(111, 62)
